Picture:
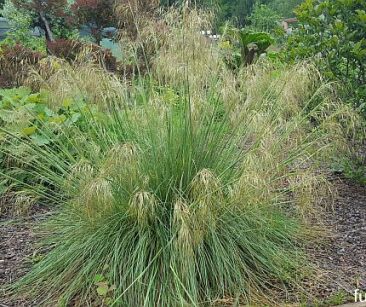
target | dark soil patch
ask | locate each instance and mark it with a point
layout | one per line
(341, 257)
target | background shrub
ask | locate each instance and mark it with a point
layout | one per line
(333, 34)
(15, 62)
(20, 22)
(72, 50)
(263, 18)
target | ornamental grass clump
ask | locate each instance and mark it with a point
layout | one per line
(155, 210)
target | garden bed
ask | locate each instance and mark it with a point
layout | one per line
(342, 257)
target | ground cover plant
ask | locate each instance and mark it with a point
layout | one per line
(28, 116)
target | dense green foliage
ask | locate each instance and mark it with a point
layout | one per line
(285, 8)
(238, 11)
(332, 32)
(29, 117)
(20, 22)
(263, 18)
(46, 14)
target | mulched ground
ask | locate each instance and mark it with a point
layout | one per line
(18, 250)
(342, 257)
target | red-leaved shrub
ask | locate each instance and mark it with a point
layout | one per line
(72, 50)
(15, 63)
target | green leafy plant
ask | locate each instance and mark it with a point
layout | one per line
(338, 298)
(332, 34)
(26, 116)
(241, 46)
(104, 289)
(354, 169)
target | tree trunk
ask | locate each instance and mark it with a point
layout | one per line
(97, 34)
(249, 59)
(47, 28)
